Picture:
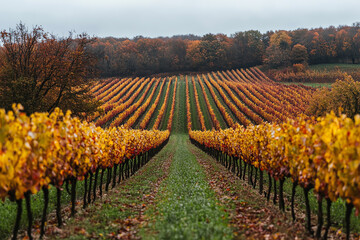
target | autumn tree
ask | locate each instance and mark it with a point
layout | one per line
(193, 54)
(321, 45)
(355, 47)
(175, 54)
(343, 43)
(278, 52)
(248, 48)
(344, 96)
(146, 56)
(123, 57)
(150, 55)
(299, 54)
(209, 53)
(43, 72)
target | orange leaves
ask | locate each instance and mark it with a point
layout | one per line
(258, 94)
(240, 116)
(324, 154)
(171, 116)
(211, 111)
(46, 71)
(201, 116)
(46, 149)
(112, 86)
(111, 114)
(163, 107)
(130, 109)
(222, 109)
(240, 105)
(148, 115)
(141, 109)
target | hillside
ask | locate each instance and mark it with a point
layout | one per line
(183, 186)
(221, 99)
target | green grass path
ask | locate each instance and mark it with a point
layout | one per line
(186, 207)
(119, 213)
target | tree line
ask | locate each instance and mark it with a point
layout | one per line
(145, 56)
(42, 71)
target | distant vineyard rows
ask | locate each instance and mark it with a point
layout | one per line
(214, 100)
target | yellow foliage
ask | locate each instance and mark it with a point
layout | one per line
(322, 153)
(44, 149)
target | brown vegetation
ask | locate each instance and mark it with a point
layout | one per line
(43, 72)
(343, 96)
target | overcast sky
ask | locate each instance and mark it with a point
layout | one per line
(153, 18)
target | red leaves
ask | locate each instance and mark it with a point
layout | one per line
(211, 111)
(172, 108)
(201, 116)
(163, 108)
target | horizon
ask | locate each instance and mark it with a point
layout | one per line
(178, 35)
(160, 18)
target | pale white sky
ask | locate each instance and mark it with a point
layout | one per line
(153, 18)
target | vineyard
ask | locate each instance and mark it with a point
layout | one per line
(216, 100)
(123, 167)
(54, 150)
(314, 155)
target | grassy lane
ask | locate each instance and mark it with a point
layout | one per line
(335, 66)
(314, 85)
(186, 207)
(120, 212)
(250, 215)
(179, 120)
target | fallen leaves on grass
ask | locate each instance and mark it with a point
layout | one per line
(250, 215)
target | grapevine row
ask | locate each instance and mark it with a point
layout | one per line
(282, 107)
(222, 109)
(253, 111)
(239, 114)
(163, 107)
(100, 85)
(148, 115)
(108, 85)
(117, 91)
(322, 154)
(232, 78)
(200, 114)
(256, 74)
(284, 96)
(264, 77)
(279, 94)
(115, 84)
(249, 76)
(260, 107)
(171, 116)
(129, 110)
(44, 150)
(123, 95)
(240, 76)
(141, 109)
(111, 114)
